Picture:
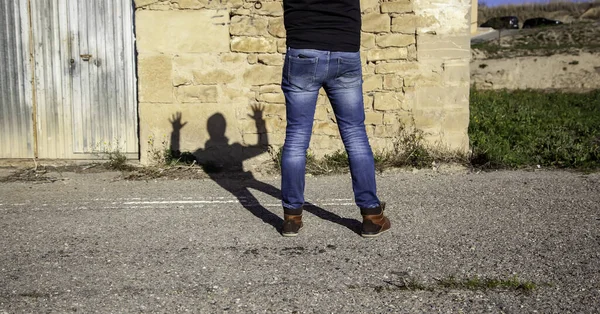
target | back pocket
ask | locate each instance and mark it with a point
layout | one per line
(349, 72)
(302, 71)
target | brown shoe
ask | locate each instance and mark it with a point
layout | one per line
(374, 222)
(292, 222)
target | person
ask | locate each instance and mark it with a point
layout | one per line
(323, 43)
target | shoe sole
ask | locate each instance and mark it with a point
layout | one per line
(291, 235)
(375, 235)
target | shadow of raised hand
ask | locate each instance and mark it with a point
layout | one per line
(177, 125)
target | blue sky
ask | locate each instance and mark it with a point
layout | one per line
(492, 3)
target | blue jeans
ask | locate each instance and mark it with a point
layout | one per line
(305, 71)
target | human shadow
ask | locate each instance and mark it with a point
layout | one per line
(223, 162)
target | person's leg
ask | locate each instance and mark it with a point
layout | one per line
(301, 81)
(300, 84)
(344, 89)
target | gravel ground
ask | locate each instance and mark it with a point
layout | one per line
(95, 243)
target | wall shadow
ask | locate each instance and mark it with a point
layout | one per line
(223, 162)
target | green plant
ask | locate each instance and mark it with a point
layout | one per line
(529, 128)
(114, 158)
(477, 283)
(158, 153)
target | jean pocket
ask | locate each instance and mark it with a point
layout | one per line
(302, 71)
(349, 72)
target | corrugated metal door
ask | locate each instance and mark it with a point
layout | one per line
(16, 123)
(84, 78)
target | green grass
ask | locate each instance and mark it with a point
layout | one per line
(467, 283)
(476, 283)
(529, 128)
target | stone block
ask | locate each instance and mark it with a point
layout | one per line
(395, 40)
(273, 109)
(325, 128)
(428, 120)
(437, 96)
(276, 27)
(409, 23)
(321, 113)
(262, 75)
(232, 57)
(271, 98)
(386, 131)
(456, 141)
(393, 82)
(369, 5)
(367, 40)
(197, 94)
(389, 101)
(252, 59)
(271, 59)
(412, 53)
(271, 9)
(444, 47)
(213, 77)
(390, 118)
(253, 44)
(456, 72)
(155, 78)
(270, 89)
(397, 6)
(387, 54)
(456, 120)
(372, 83)
(178, 31)
(243, 25)
(141, 3)
(368, 102)
(373, 118)
(281, 45)
(189, 4)
(376, 23)
(396, 67)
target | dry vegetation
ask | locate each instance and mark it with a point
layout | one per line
(564, 11)
(571, 39)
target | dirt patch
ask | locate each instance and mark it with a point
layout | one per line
(565, 72)
(50, 174)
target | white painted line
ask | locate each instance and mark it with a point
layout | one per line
(180, 202)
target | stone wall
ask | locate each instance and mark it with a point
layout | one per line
(202, 58)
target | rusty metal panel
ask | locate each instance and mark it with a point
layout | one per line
(16, 125)
(85, 81)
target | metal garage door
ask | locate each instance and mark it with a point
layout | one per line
(84, 97)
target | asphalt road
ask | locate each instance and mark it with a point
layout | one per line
(93, 243)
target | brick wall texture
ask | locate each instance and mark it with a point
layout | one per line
(203, 57)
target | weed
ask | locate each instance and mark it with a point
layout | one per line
(162, 155)
(115, 158)
(529, 128)
(477, 283)
(409, 150)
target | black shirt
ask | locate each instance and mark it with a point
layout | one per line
(332, 25)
